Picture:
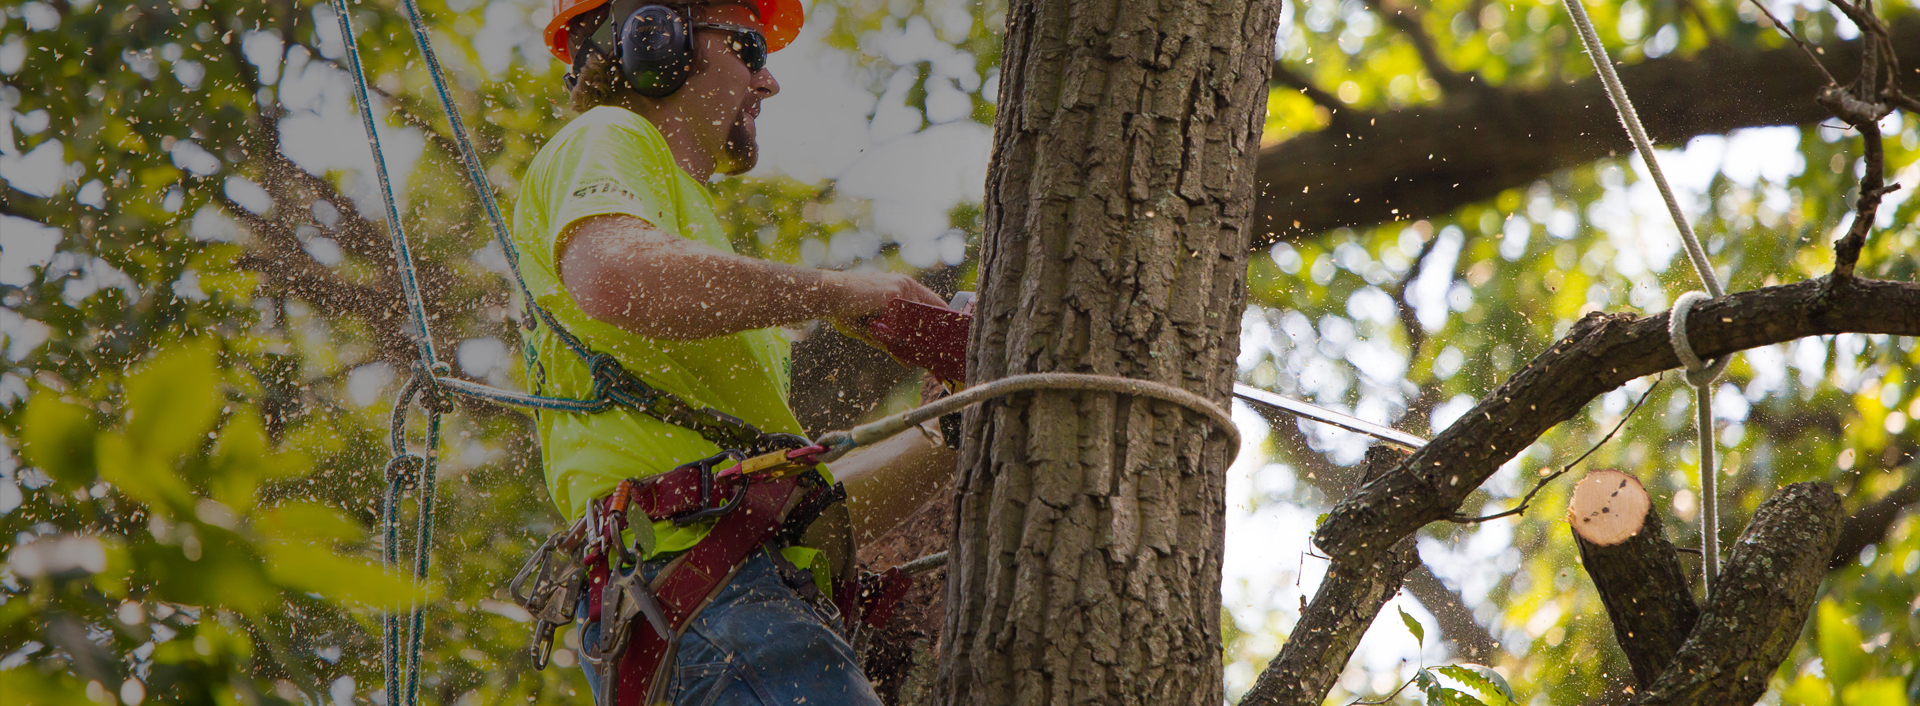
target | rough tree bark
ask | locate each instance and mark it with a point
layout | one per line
(1758, 605)
(1086, 553)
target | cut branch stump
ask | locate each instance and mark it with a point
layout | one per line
(1636, 570)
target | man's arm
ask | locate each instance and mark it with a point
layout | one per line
(629, 273)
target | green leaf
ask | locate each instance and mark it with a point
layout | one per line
(1492, 687)
(1840, 651)
(1807, 690)
(1413, 626)
(140, 476)
(245, 457)
(31, 687)
(57, 437)
(316, 569)
(1873, 692)
(309, 522)
(173, 400)
(1450, 697)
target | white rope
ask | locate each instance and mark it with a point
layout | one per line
(1624, 108)
(839, 442)
(1700, 374)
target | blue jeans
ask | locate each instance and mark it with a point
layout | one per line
(757, 644)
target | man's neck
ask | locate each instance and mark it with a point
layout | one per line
(697, 162)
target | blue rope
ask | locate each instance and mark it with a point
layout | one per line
(521, 399)
(422, 552)
(423, 338)
(409, 280)
(481, 186)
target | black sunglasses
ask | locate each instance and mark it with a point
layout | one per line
(748, 43)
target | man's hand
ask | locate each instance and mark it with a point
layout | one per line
(865, 294)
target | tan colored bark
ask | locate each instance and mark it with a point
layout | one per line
(1086, 563)
(1608, 507)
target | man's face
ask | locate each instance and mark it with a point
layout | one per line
(722, 98)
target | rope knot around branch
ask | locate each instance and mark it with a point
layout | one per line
(1699, 373)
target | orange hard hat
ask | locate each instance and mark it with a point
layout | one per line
(779, 20)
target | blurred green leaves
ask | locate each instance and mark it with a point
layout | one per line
(178, 530)
(173, 400)
(57, 436)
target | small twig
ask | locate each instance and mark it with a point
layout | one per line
(1784, 29)
(1389, 697)
(1862, 104)
(1846, 252)
(1409, 321)
(1537, 487)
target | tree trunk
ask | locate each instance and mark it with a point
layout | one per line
(1087, 546)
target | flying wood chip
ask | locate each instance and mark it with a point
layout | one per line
(1608, 507)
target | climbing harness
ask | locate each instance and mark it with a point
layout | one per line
(1701, 375)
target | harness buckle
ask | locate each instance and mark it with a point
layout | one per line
(709, 480)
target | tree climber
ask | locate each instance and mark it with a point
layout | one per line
(624, 252)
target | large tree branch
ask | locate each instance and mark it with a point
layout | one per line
(1600, 353)
(1316, 651)
(1430, 160)
(1759, 604)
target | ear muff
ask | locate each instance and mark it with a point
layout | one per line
(655, 47)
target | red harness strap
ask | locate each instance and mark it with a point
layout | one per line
(752, 509)
(690, 581)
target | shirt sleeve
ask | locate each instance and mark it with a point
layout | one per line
(610, 169)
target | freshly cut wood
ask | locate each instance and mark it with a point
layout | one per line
(1608, 507)
(1635, 569)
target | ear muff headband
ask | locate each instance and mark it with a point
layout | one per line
(653, 45)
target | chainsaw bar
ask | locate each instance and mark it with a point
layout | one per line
(1327, 416)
